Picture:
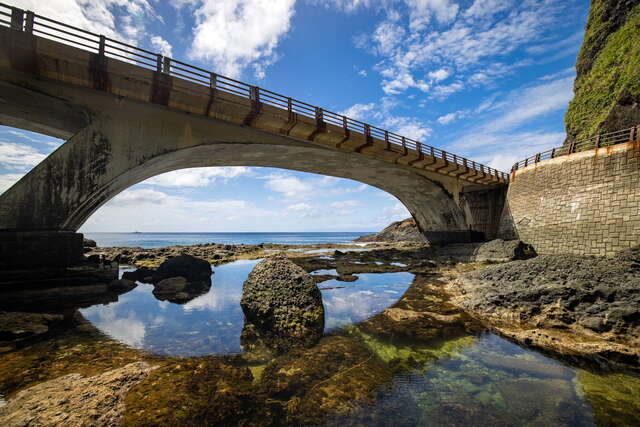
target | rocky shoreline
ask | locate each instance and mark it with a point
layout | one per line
(573, 306)
(458, 291)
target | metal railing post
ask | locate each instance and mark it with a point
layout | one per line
(158, 63)
(17, 19)
(537, 157)
(166, 65)
(319, 117)
(404, 146)
(213, 80)
(597, 144)
(633, 133)
(28, 25)
(102, 48)
(553, 153)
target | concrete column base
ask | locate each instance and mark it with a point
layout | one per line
(21, 250)
(444, 237)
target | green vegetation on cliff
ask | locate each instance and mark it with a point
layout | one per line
(607, 86)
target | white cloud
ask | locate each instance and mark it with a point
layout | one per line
(233, 35)
(439, 75)
(98, 16)
(533, 102)
(422, 11)
(360, 112)
(460, 47)
(362, 73)
(197, 177)
(161, 45)
(134, 197)
(409, 127)
(483, 8)
(290, 186)
(345, 204)
(343, 5)
(449, 118)
(19, 156)
(502, 156)
(443, 91)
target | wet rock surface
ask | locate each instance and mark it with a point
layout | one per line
(400, 231)
(282, 305)
(597, 299)
(189, 267)
(17, 325)
(75, 400)
(494, 251)
(179, 279)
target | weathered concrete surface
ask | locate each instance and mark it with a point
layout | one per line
(134, 134)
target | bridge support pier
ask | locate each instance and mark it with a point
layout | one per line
(48, 257)
(22, 250)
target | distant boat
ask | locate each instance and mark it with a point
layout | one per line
(136, 232)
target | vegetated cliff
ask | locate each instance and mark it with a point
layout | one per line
(399, 231)
(607, 86)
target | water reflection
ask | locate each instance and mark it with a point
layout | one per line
(370, 294)
(212, 323)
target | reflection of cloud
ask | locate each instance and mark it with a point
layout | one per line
(127, 329)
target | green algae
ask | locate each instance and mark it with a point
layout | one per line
(614, 398)
(193, 392)
(405, 356)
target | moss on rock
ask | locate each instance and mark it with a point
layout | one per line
(607, 86)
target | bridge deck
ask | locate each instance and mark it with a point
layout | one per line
(59, 52)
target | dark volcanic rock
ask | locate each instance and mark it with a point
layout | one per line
(140, 275)
(400, 231)
(191, 268)
(590, 296)
(282, 305)
(178, 290)
(494, 251)
(16, 325)
(122, 285)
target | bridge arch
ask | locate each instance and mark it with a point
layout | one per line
(115, 152)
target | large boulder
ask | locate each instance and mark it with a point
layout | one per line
(178, 290)
(191, 268)
(400, 231)
(282, 305)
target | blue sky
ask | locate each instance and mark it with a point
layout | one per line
(487, 79)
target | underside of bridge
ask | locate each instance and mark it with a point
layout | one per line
(114, 141)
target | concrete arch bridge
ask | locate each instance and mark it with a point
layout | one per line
(128, 114)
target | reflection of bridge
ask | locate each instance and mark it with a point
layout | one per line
(129, 114)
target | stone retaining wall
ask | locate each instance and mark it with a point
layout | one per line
(584, 203)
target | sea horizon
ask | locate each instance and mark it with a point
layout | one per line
(157, 239)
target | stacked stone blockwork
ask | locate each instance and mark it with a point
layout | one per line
(585, 203)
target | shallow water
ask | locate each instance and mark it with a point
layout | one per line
(212, 323)
(456, 379)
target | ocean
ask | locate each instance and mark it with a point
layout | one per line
(156, 240)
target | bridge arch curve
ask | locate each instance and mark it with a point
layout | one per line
(114, 152)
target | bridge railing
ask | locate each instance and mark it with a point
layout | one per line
(101, 45)
(597, 141)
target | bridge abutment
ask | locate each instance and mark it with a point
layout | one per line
(22, 250)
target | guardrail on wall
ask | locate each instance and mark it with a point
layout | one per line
(32, 23)
(596, 141)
